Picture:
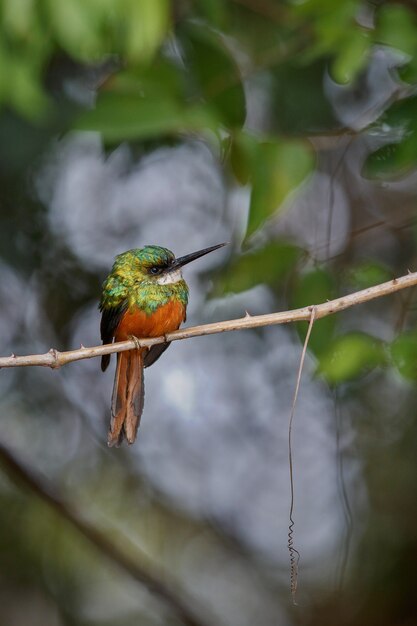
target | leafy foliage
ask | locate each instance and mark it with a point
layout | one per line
(266, 85)
(350, 356)
(273, 167)
(215, 76)
(399, 157)
(404, 355)
(269, 266)
(161, 71)
(367, 274)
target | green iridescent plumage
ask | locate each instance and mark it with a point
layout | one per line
(130, 283)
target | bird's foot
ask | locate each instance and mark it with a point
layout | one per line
(136, 341)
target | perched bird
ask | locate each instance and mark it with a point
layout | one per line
(144, 295)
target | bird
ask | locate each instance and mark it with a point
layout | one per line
(145, 295)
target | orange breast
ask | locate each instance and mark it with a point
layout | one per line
(166, 318)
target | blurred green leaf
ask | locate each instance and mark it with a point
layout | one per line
(368, 274)
(392, 160)
(216, 11)
(163, 79)
(404, 355)
(294, 113)
(338, 37)
(128, 116)
(396, 27)
(395, 159)
(350, 356)
(146, 25)
(313, 288)
(18, 17)
(334, 26)
(276, 168)
(269, 265)
(88, 30)
(215, 74)
(76, 26)
(20, 86)
(351, 56)
(243, 155)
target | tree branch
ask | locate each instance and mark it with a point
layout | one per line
(151, 579)
(55, 359)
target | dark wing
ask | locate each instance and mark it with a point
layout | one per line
(154, 353)
(110, 318)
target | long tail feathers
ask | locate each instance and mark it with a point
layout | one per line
(128, 397)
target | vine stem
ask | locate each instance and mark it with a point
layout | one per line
(54, 359)
(294, 554)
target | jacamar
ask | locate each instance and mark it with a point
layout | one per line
(144, 295)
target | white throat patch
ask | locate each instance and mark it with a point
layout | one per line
(170, 277)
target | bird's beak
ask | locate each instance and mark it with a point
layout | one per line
(183, 260)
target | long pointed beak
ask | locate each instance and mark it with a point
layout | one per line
(183, 260)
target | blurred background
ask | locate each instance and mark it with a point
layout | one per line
(288, 128)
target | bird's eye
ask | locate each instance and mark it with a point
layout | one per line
(154, 270)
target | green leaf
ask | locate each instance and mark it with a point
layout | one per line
(396, 159)
(351, 56)
(350, 356)
(20, 86)
(404, 355)
(19, 17)
(368, 274)
(408, 72)
(76, 26)
(243, 155)
(276, 168)
(215, 74)
(313, 288)
(396, 27)
(88, 30)
(145, 28)
(293, 112)
(120, 116)
(335, 27)
(163, 79)
(216, 11)
(269, 265)
(393, 160)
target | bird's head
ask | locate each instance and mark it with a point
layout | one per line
(159, 265)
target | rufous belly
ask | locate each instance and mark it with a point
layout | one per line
(165, 319)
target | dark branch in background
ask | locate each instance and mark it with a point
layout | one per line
(54, 359)
(150, 579)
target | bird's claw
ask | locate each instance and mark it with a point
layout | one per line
(136, 341)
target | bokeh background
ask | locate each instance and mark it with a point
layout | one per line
(289, 129)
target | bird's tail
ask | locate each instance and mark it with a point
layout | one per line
(128, 397)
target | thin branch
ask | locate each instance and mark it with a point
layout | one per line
(150, 579)
(55, 359)
(294, 554)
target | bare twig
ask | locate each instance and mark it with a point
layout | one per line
(146, 576)
(294, 554)
(55, 359)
